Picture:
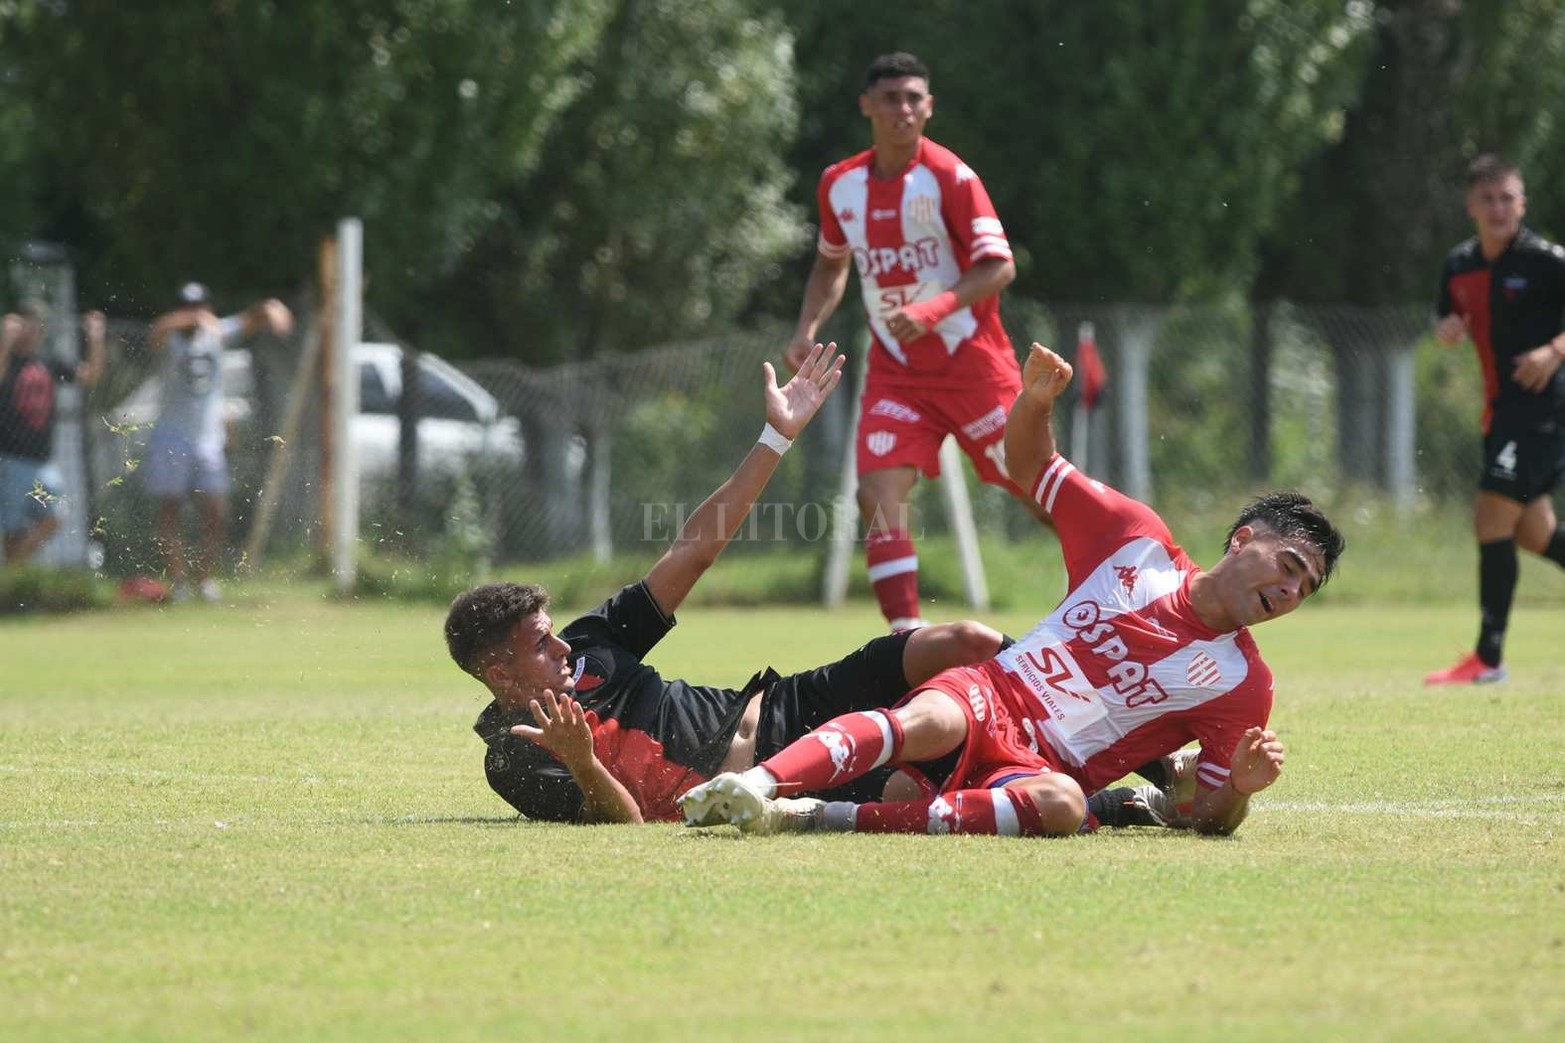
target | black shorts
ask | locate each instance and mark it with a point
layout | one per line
(1522, 465)
(867, 679)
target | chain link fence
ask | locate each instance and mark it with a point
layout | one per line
(608, 455)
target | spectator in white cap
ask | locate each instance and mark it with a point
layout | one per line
(186, 452)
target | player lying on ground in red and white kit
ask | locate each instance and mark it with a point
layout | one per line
(1146, 653)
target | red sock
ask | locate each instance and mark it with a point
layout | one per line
(995, 812)
(841, 749)
(893, 572)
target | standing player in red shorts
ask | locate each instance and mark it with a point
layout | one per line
(932, 259)
(1146, 653)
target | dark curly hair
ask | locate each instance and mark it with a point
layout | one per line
(481, 619)
(1295, 516)
(893, 67)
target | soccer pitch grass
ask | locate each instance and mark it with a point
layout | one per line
(269, 821)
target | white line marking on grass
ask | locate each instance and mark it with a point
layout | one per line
(196, 776)
(1451, 807)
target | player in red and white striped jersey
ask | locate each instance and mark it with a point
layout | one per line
(932, 258)
(1146, 653)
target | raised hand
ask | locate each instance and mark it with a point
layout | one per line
(1257, 761)
(562, 728)
(790, 407)
(94, 324)
(1045, 375)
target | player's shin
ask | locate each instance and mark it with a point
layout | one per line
(838, 751)
(991, 812)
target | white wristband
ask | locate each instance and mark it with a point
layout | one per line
(773, 439)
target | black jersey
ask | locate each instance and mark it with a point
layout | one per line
(658, 737)
(1511, 306)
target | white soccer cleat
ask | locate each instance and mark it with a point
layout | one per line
(787, 815)
(728, 797)
(704, 805)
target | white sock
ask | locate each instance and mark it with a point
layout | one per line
(764, 781)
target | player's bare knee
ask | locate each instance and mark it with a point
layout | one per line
(1062, 806)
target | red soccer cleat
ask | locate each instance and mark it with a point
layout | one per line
(1468, 670)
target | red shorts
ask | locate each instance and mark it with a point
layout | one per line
(901, 426)
(998, 747)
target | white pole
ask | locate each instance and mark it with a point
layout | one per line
(844, 507)
(959, 509)
(348, 327)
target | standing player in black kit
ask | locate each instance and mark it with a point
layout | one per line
(1505, 288)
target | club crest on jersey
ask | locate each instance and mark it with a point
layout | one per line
(923, 209)
(1127, 577)
(879, 443)
(589, 674)
(1203, 671)
(847, 216)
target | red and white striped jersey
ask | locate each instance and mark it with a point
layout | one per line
(1123, 671)
(912, 236)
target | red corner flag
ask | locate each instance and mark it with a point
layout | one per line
(1089, 366)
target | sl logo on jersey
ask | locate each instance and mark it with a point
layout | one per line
(879, 443)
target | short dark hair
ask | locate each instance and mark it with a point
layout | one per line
(1294, 516)
(481, 619)
(1489, 167)
(894, 66)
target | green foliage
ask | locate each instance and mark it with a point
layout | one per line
(662, 204)
(223, 140)
(30, 588)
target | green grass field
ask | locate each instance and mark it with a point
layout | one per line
(269, 821)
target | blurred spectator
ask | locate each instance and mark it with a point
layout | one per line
(186, 451)
(29, 488)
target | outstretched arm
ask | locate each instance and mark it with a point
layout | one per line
(1029, 433)
(713, 524)
(823, 291)
(1256, 764)
(10, 332)
(271, 315)
(94, 326)
(180, 320)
